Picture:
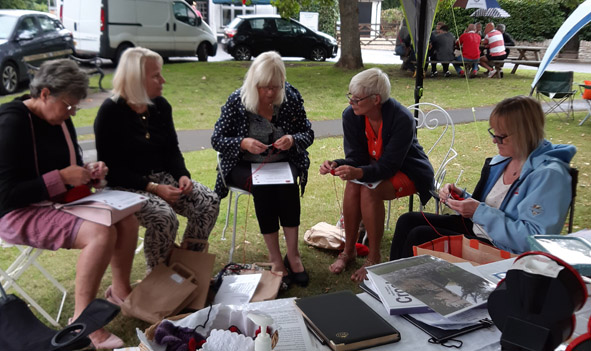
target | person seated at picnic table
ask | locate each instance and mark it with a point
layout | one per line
(443, 47)
(478, 29)
(264, 121)
(507, 38)
(495, 45)
(41, 164)
(469, 44)
(135, 136)
(524, 190)
(380, 146)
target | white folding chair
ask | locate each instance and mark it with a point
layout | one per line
(9, 278)
(432, 117)
(239, 192)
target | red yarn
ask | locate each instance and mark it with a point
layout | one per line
(77, 193)
(361, 249)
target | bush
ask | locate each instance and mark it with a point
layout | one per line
(531, 20)
(328, 15)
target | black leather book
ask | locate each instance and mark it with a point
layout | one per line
(345, 322)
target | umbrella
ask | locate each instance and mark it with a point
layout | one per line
(495, 12)
(477, 4)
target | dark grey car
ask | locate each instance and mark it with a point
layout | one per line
(29, 37)
(250, 35)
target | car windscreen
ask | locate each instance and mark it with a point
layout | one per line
(7, 24)
(234, 23)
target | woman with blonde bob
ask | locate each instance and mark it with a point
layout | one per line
(524, 190)
(135, 134)
(380, 148)
(263, 122)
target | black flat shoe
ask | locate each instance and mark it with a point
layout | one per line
(301, 278)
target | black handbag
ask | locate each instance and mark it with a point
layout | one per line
(20, 330)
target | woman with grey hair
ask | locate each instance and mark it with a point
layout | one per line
(40, 164)
(135, 135)
(262, 122)
(383, 160)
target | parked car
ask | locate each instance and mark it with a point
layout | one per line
(32, 37)
(250, 35)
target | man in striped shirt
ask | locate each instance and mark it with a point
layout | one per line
(493, 41)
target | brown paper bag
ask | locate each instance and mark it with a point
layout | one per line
(268, 286)
(458, 248)
(200, 263)
(164, 292)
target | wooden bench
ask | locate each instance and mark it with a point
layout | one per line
(91, 66)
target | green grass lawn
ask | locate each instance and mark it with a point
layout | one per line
(197, 91)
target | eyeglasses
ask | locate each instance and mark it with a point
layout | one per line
(272, 87)
(71, 108)
(356, 101)
(498, 138)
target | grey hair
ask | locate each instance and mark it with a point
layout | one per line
(61, 77)
(267, 68)
(371, 81)
(130, 76)
(501, 27)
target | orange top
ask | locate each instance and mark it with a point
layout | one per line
(374, 142)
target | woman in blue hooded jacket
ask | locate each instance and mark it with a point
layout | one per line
(524, 190)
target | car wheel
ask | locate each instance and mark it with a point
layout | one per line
(242, 53)
(318, 54)
(120, 52)
(9, 78)
(202, 52)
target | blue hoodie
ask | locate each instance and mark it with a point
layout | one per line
(537, 202)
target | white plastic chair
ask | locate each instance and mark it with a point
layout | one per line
(432, 117)
(9, 278)
(239, 192)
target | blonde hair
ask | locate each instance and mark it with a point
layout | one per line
(130, 76)
(266, 69)
(523, 118)
(369, 82)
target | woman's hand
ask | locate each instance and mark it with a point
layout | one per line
(327, 166)
(465, 208)
(446, 190)
(169, 193)
(98, 170)
(185, 185)
(75, 175)
(253, 146)
(284, 143)
(348, 172)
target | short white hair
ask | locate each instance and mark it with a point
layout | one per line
(369, 82)
(130, 76)
(266, 69)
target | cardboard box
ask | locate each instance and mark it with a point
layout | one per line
(460, 249)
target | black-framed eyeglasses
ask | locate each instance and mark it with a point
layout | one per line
(356, 101)
(498, 138)
(71, 108)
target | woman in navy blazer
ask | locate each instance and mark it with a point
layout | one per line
(380, 147)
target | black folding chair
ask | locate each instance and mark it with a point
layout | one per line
(556, 88)
(20, 330)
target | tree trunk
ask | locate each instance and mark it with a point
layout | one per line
(350, 44)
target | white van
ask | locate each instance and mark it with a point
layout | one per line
(107, 27)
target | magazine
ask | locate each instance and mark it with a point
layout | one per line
(395, 300)
(446, 288)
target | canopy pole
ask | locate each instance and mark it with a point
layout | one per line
(420, 54)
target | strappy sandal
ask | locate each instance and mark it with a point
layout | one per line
(362, 270)
(346, 258)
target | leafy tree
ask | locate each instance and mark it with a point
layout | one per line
(350, 44)
(38, 5)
